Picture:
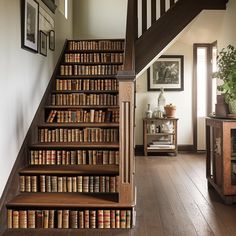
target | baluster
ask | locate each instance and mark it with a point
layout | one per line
(172, 2)
(162, 7)
(153, 11)
(144, 15)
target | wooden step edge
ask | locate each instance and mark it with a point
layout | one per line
(67, 200)
(75, 145)
(71, 169)
(80, 106)
(78, 124)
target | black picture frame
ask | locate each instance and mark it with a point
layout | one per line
(166, 72)
(50, 4)
(52, 40)
(29, 25)
(43, 43)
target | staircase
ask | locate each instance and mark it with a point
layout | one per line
(76, 166)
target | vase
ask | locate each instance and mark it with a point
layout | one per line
(232, 106)
(161, 101)
(148, 113)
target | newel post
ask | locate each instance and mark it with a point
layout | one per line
(126, 135)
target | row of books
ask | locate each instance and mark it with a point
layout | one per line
(87, 84)
(96, 45)
(90, 69)
(82, 99)
(78, 116)
(74, 157)
(59, 184)
(66, 219)
(94, 57)
(78, 135)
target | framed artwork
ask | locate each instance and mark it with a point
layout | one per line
(52, 40)
(167, 72)
(29, 25)
(43, 43)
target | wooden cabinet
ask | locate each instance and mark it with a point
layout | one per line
(160, 135)
(221, 157)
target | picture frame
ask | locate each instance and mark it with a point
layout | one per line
(29, 25)
(166, 72)
(52, 40)
(43, 43)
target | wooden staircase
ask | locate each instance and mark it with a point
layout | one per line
(25, 194)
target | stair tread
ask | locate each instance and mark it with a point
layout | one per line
(76, 145)
(71, 169)
(70, 200)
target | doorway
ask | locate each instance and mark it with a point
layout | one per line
(204, 90)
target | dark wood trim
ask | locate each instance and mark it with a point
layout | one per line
(194, 101)
(172, 2)
(144, 15)
(152, 42)
(50, 4)
(153, 11)
(11, 188)
(162, 7)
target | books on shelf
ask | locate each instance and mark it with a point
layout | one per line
(70, 70)
(74, 219)
(94, 57)
(161, 146)
(74, 157)
(84, 99)
(83, 116)
(96, 45)
(82, 183)
(87, 84)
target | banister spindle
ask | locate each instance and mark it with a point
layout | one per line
(153, 11)
(162, 7)
(172, 2)
(144, 15)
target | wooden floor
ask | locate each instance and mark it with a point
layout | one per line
(172, 199)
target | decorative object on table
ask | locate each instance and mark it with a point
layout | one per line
(52, 40)
(29, 25)
(43, 43)
(167, 72)
(226, 62)
(170, 110)
(161, 103)
(148, 113)
(221, 108)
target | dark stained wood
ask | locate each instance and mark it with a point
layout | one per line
(172, 2)
(76, 125)
(167, 187)
(153, 11)
(144, 15)
(71, 170)
(162, 7)
(66, 200)
(152, 42)
(74, 145)
(74, 107)
(11, 188)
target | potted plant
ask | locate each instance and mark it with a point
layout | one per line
(226, 62)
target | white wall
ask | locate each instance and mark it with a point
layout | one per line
(100, 19)
(204, 29)
(24, 78)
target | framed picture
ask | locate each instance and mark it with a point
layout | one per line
(167, 72)
(29, 25)
(52, 40)
(43, 43)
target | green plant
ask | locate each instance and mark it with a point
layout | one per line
(226, 62)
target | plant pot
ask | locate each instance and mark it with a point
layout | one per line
(170, 111)
(232, 106)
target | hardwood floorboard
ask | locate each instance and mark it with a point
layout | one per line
(172, 200)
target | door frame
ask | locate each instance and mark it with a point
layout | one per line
(209, 85)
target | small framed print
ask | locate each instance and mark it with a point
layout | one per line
(167, 72)
(29, 25)
(52, 40)
(43, 43)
